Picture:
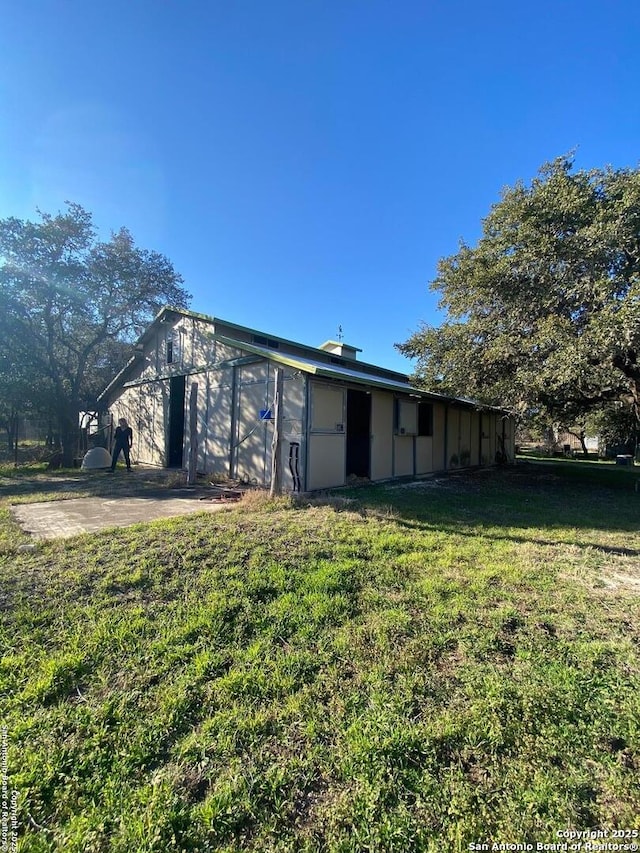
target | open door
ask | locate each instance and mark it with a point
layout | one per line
(176, 422)
(358, 434)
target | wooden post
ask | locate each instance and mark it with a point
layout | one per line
(16, 427)
(193, 434)
(276, 443)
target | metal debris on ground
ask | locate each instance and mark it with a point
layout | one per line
(222, 494)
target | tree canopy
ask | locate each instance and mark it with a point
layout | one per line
(543, 314)
(70, 307)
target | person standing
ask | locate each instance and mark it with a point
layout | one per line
(122, 441)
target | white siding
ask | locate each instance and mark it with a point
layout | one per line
(255, 391)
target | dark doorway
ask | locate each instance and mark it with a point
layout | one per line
(358, 433)
(176, 422)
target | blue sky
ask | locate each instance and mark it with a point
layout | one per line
(306, 164)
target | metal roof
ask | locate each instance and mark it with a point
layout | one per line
(344, 374)
(311, 366)
(220, 321)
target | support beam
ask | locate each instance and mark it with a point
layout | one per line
(193, 434)
(276, 444)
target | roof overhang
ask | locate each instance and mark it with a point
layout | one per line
(322, 370)
(349, 375)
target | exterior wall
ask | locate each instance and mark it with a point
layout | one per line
(404, 440)
(215, 424)
(382, 435)
(496, 429)
(509, 434)
(488, 455)
(255, 391)
(475, 438)
(464, 438)
(251, 453)
(144, 399)
(146, 409)
(153, 406)
(424, 454)
(430, 449)
(573, 441)
(454, 428)
(458, 445)
(327, 460)
(233, 440)
(403, 455)
(472, 437)
(452, 421)
(193, 347)
(203, 381)
(326, 452)
(438, 447)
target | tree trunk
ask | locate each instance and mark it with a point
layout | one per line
(583, 443)
(582, 438)
(68, 428)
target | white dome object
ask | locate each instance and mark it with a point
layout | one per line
(96, 458)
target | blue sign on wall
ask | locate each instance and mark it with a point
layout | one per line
(265, 415)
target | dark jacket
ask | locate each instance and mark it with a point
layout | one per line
(123, 437)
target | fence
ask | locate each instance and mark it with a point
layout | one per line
(30, 439)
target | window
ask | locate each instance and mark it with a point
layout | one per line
(265, 342)
(327, 408)
(425, 418)
(406, 417)
(173, 348)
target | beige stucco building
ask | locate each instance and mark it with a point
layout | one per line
(342, 418)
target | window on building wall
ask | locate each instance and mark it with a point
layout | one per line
(425, 419)
(265, 342)
(327, 408)
(173, 348)
(406, 417)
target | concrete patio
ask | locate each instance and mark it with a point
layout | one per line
(60, 519)
(105, 500)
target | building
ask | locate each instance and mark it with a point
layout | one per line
(342, 418)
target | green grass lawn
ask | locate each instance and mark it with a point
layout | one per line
(395, 669)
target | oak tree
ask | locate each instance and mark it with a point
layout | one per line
(543, 313)
(70, 306)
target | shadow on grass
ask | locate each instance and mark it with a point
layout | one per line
(523, 497)
(458, 530)
(141, 482)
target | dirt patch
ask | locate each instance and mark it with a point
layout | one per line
(622, 582)
(468, 479)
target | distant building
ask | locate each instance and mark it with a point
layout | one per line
(570, 442)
